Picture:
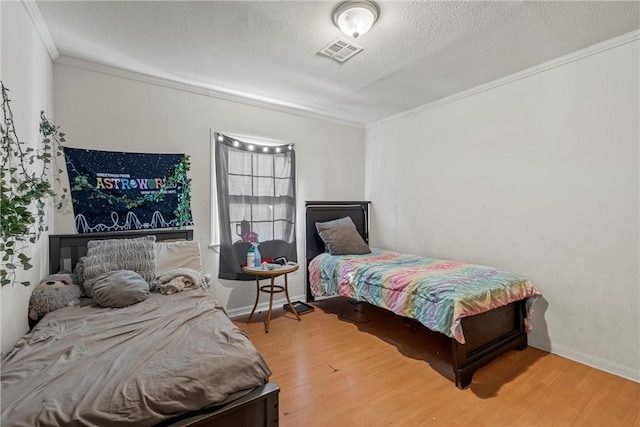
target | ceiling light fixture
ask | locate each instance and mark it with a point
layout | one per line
(354, 18)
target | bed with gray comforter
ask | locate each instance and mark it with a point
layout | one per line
(138, 365)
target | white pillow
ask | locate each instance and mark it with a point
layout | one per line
(180, 254)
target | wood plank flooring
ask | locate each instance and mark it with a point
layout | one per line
(348, 364)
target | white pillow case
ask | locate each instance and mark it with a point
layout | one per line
(180, 254)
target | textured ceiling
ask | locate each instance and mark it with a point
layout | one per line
(417, 52)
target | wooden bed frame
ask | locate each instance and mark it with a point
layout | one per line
(258, 408)
(488, 335)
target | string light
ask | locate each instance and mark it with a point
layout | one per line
(253, 147)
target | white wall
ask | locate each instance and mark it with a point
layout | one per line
(26, 71)
(538, 176)
(113, 110)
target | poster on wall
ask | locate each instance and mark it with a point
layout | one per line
(117, 191)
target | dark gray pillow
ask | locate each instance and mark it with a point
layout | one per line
(341, 237)
(137, 254)
(120, 288)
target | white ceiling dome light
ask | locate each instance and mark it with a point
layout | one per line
(354, 18)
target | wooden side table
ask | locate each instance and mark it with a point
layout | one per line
(271, 289)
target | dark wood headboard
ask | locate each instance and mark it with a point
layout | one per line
(327, 211)
(66, 249)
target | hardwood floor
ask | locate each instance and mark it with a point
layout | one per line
(348, 364)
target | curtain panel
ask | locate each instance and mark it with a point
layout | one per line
(256, 202)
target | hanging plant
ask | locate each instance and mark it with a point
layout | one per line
(182, 184)
(24, 190)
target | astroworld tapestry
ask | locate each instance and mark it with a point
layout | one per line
(114, 191)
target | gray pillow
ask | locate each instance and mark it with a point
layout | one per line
(120, 288)
(341, 237)
(120, 254)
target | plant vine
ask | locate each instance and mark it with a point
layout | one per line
(24, 190)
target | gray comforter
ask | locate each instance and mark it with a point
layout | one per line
(137, 365)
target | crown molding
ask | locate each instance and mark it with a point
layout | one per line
(537, 69)
(192, 87)
(36, 18)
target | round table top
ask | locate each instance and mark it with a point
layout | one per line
(283, 269)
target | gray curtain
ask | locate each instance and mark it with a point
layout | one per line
(256, 202)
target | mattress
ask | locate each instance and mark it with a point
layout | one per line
(438, 293)
(138, 365)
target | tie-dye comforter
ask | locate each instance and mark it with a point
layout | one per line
(438, 293)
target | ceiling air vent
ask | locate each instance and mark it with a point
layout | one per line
(340, 49)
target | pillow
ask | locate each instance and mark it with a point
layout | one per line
(52, 293)
(178, 254)
(120, 288)
(108, 255)
(341, 237)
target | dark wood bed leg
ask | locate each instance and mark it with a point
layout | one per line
(488, 335)
(473, 361)
(463, 379)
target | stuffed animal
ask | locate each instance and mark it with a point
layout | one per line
(52, 293)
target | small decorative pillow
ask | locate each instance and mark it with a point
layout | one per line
(179, 254)
(120, 288)
(341, 237)
(108, 255)
(52, 293)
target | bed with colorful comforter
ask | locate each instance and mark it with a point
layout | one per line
(438, 293)
(483, 310)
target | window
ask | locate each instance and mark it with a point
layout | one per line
(256, 201)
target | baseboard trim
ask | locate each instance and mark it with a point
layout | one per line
(277, 303)
(594, 362)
